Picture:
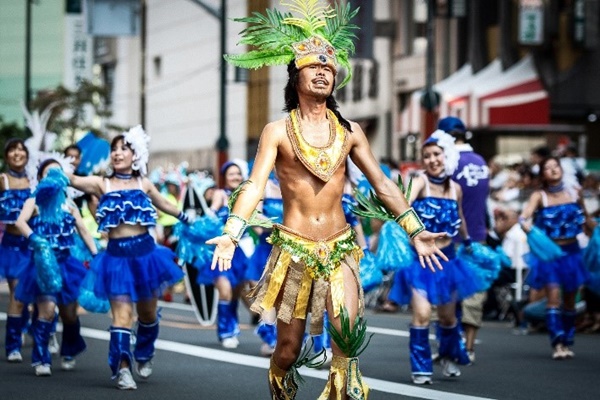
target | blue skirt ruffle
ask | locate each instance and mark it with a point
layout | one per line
(15, 256)
(457, 281)
(133, 269)
(235, 275)
(72, 272)
(568, 271)
(258, 260)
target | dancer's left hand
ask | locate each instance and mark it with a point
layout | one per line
(223, 253)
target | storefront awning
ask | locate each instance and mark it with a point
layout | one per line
(489, 98)
(515, 97)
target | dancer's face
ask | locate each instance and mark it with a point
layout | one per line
(433, 160)
(16, 157)
(48, 167)
(316, 81)
(75, 157)
(121, 157)
(233, 177)
(552, 171)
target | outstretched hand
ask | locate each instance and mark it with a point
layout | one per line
(223, 253)
(425, 246)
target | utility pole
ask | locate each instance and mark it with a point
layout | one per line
(430, 99)
(27, 53)
(143, 15)
(222, 144)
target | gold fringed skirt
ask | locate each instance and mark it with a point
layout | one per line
(289, 282)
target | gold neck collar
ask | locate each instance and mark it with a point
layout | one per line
(320, 161)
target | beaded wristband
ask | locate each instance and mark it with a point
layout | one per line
(234, 227)
(410, 222)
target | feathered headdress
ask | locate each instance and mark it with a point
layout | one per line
(321, 35)
(137, 139)
(36, 159)
(446, 142)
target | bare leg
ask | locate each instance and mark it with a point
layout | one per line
(289, 344)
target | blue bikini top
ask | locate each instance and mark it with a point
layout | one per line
(130, 207)
(11, 202)
(438, 214)
(60, 235)
(561, 221)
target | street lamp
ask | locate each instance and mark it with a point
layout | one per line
(222, 144)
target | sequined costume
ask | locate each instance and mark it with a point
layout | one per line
(560, 222)
(14, 256)
(131, 269)
(61, 237)
(14, 252)
(456, 281)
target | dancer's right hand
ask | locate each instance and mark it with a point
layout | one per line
(223, 253)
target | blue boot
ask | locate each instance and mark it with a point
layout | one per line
(13, 343)
(40, 355)
(267, 333)
(146, 336)
(72, 341)
(119, 349)
(568, 320)
(227, 325)
(452, 346)
(554, 324)
(420, 352)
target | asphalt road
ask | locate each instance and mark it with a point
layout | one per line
(190, 364)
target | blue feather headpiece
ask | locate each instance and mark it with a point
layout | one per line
(50, 195)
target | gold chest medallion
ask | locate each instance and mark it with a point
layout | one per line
(320, 161)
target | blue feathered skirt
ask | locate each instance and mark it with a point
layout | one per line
(133, 269)
(15, 256)
(258, 260)
(72, 272)
(457, 281)
(567, 271)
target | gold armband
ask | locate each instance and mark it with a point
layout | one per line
(410, 222)
(234, 227)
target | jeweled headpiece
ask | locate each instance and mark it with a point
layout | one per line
(321, 35)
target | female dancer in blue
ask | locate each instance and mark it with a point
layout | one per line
(14, 250)
(559, 213)
(133, 269)
(436, 199)
(272, 208)
(53, 224)
(228, 283)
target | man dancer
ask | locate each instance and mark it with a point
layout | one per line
(313, 266)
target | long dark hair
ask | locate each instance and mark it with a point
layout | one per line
(113, 145)
(292, 101)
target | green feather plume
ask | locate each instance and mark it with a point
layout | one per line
(257, 218)
(273, 33)
(373, 207)
(351, 341)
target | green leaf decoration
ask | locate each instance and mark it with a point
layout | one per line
(256, 59)
(373, 207)
(339, 31)
(351, 341)
(313, 15)
(269, 32)
(257, 218)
